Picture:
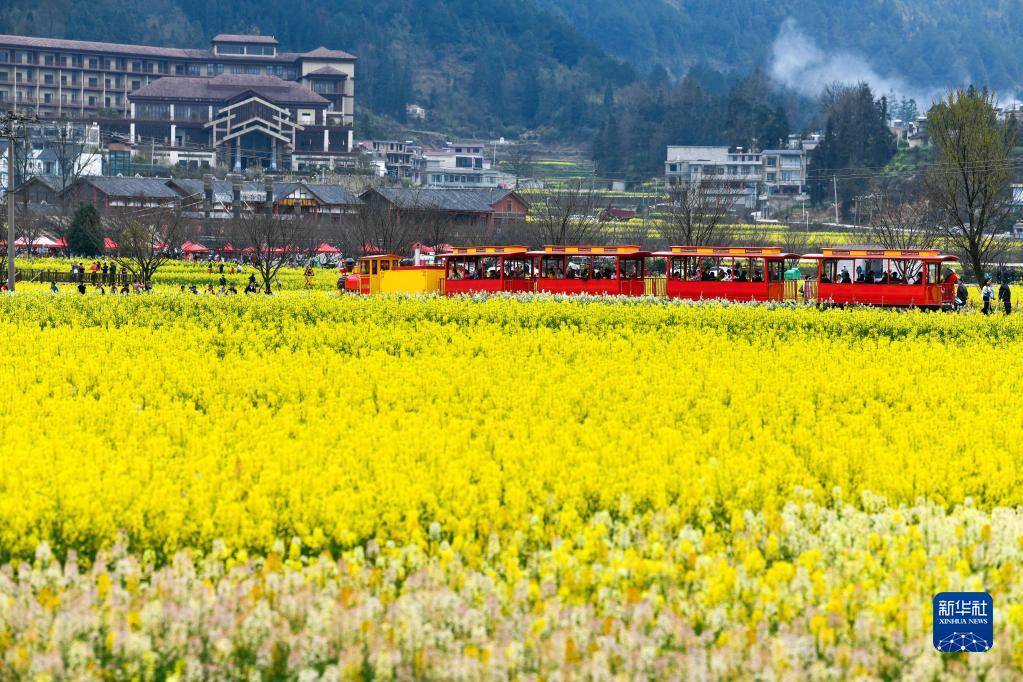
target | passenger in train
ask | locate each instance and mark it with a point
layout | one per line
(846, 279)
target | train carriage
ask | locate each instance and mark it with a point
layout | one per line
(882, 277)
(595, 270)
(482, 269)
(384, 274)
(730, 273)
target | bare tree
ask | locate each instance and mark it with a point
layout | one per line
(567, 215)
(75, 154)
(383, 226)
(902, 224)
(520, 163)
(29, 226)
(145, 241)
(970, 180)
(272, 241)
(696, 212)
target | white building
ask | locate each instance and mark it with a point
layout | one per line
(756, 176)
(459, 164)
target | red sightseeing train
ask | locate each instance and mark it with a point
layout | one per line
(880, 277)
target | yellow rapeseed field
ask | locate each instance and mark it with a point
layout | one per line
(312, 486)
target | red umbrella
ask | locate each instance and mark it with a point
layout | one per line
(192, 247)
(327, 248)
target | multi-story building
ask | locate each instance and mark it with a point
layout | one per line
(459, 164)
(399, 160)
(750, 175)
(242, 94)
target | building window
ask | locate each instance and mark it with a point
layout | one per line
(230, 49)
(772, 161)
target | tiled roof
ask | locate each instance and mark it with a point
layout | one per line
(91, 46)
(327, 71)
(223, 192)
(53, 182)
(33, 42)
(334, 195)
(458, 200)
(226, 86)
(238, 38)
(132, 187)
(324, 53)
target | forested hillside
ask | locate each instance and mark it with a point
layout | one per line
(926, 43)
(480, 67)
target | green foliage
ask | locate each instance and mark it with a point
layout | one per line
(85, 236)
(644, 120)
(856, 136)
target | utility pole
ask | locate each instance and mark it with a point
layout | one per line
(834, 179)
(9, 125)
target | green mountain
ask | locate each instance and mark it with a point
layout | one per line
(481, 68)
(917, 43)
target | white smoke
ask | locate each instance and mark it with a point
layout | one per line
(797, 62)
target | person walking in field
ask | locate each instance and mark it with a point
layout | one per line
(962, 295)
(987, 293)
(309, 274)
(1005, 296)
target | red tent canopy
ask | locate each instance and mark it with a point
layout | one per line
(423, 249)
(228, 248)
(109, 244)
(192, 247)
(61, 244)
(371, 250)
(327, 248)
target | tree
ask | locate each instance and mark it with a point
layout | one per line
(898, 223)
(146, 241)
(28, 226)
(856, 136)
(271, 240)
(970, 180)
(566, 215)
(697, 211)
(85, 236)
(75, 154)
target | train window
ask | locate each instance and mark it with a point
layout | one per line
(740, 270)
(710, 270)
(933, 273)
(363, 267)
(684, 268)
(490, 267)
(517, 268)
(909, 272)
(604, 267)
(578, 267)
(373, 267)
(756, 270)
(775, 270)
(870, 271)
(385, 265)
(552, 267)
(655, 267)
(632, 268)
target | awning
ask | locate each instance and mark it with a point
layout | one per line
(192, 247)
(327, 248)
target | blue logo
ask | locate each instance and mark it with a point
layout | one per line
(964, 621)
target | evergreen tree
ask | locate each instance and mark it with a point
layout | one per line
(85, 236)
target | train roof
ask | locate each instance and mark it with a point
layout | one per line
(767, 252)
(590, 250)
(483, 251)
(892, 254)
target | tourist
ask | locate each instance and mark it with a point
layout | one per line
(987, 293)
(962, 295)
(1005, 296)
